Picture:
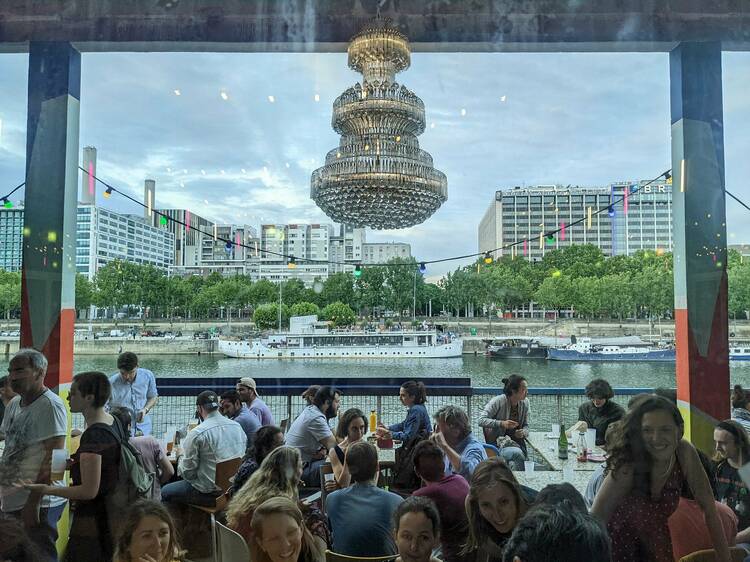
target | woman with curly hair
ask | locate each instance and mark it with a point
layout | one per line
(279, 475)
(599, 411)
(494, 506)
(647, 465)
(351, 428)
(279, 534)
(148, 534)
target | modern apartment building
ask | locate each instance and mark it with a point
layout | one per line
(189, 231)
(377, 252)
(11, 237)
(643, 220)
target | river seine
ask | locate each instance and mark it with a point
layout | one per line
(482, 371)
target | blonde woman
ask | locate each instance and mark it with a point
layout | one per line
(279, 475)
(148, 535)
(280, 535)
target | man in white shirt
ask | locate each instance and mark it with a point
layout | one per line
(35, 423)
(215, 440)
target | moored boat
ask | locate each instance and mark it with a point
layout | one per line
(585, 350)
(516, 348)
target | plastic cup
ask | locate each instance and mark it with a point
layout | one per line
(528, 467)
(59, 463)
(591, 439)
(329, 476)
(567, 473)
(555, 430)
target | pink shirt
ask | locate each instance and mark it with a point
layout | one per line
(687, 527)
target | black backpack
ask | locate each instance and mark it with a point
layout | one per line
(405, 479)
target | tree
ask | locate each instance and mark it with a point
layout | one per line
(339, 287)
(10, 292)
(401, 277)
(293, 291)
(266, 316)
(263, 291)
(577, 260)
(304, 309)
(84, 292)
(370, 289)
(339, 314)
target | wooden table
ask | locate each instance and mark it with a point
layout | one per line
(540, 478)
(547, 449)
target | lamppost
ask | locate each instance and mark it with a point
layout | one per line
(414, 299)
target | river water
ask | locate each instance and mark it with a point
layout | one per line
(484, 372)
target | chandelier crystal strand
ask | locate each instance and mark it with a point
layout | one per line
(378, 176)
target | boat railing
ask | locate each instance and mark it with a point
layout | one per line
(176, 405)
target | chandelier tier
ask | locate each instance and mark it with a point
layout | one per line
(378, 176)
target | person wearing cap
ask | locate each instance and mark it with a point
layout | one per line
(249, 394)
(215, 440)
(134, 388)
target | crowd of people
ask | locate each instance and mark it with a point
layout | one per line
(450, 497)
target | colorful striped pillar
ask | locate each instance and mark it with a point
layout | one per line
(48, 277)
(700, 249)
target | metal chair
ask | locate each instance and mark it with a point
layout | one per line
(231, 546)
(334, 557)
(491, 450)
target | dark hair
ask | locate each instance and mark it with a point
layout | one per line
(637, 398)
(512, 384)
(94, 383)
(342, 429)
(309, 394)
(741, 439)
(125, 415)
(16, 545)
(599, 388)
(134, 515)
(740, 397)
(323, 395)
(127, 360)
(362, 460)
(455, 418)
(554, 534)
(417, 504)
(564, 496)
(428, 460)
(416, 390)
(231, 395)
(667, 393)
(265, 439)
(628, 446)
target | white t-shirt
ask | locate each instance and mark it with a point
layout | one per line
(26, 428)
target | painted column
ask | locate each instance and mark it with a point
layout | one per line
(48, 278)
(700, 249)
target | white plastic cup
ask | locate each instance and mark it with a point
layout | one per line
(591, 439)
(59, 463)
(555, 430)
(528, 467)
(329, 476)
(567, 473)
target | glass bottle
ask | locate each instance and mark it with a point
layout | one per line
(373, 421)
(581, 446)
(562, 444)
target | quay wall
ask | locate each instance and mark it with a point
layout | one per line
(113, 346)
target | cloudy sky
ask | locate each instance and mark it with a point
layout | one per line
(203, 126)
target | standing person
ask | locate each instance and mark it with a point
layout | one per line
(268, 438)
(494, 507)
(34, 424)
(155, 459)
(416, 528)
(647, 465)
(279, 534)
(351, 429)
(507, 416)
(215, 440)
(249, 393)
(413, 395)
(148, 535)
(134, 388)
(599, 411)
(312, 435)
(741, 406)
(94, 472)
(360, 515)
(6, 394)
(462, 451)
(449, 494)
(235, 409)
(732, 452)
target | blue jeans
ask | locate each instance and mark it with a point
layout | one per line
(514, 457)
(45, 534)
(183, 492)
(311, 473)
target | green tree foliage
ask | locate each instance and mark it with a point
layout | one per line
(266, 316)
(10, 292)
(339, 287)
(304, 309)
(84, 292)
(339, 314)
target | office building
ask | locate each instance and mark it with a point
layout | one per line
(377, 252)
(189, 233)
(643, 221)
(11, 237)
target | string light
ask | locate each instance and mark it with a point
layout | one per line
(357, 270)
(422, 267)
(7, 203)
(550, 238)
(163, 220)
(611, 211)
(292, 263)
(488, 258)
(108, 193)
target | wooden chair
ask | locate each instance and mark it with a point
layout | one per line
(738, 555)
(231, 545)
(491, 450)
(284, 425)
(334, 557)
(224, 471)
(327, 468)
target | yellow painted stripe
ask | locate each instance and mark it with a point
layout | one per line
(699, 426)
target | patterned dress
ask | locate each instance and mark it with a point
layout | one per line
(638, 527)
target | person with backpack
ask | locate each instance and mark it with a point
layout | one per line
(95, 471)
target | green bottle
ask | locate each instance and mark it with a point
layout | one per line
(562, 444)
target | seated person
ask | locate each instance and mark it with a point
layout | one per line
(311, 434)
(235, 409)
(266, 440)
(416, 528)
(148, 535)
(505, 421)
(279, 534)
(732, 452)
(552, 534)
(413, 395)
(462, 451)
(599, 412)
(360, 515)
(215, 440)
(597, 477)
(562, 495)
(448, 492)
(352, 427)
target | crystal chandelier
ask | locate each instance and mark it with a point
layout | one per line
(378, 176)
